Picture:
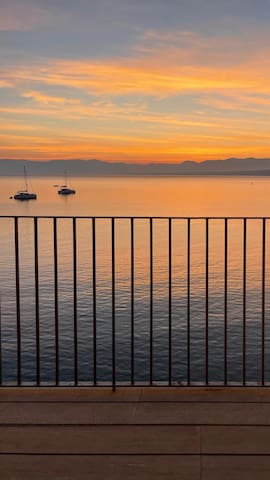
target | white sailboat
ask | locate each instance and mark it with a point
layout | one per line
(25, 194)
(64, 190)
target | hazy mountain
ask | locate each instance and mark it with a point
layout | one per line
(77, 167)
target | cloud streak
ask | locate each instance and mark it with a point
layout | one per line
(177, 95)
(160, 65)
(42, 98)
(138, 77)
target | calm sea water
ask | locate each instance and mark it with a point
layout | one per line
(215, 196)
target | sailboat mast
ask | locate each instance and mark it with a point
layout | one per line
(65, 178)
(25, 179)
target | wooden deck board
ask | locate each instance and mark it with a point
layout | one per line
(95, 467)
(100, 439)
(239, 440)
(131, 394)
(237, 467)
(146, 433)
(134, 413)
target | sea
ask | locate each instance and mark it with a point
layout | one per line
(169, 300)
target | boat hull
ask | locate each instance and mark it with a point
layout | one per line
(25, 196)
(66, 191)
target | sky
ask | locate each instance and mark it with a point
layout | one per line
(134, 80)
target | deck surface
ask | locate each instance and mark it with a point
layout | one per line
(135, 433)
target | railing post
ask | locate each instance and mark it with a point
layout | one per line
(1, 376)
(263, 300)
(113, 304)
(151, 302)
(188, 302)
(170, 302)
(225, 301)
(75, 320)
(37, 301)
(94, 279)
(206, 298)
(132, 298)
(56, 310)
(18, 305)
(244, 295)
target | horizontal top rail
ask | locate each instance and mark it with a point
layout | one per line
(138, 217)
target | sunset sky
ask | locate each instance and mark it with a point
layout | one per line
(134, 80)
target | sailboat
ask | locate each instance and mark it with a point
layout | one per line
(64, 190)
(25, 194)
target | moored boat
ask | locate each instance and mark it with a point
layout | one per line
(25, 194)
(64, 189)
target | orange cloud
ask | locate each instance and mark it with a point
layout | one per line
(5, 84)
(131, 115)
(43, 152)
(154, 76)
(17, 127)
(125, 78)
(162, 64)
(132, 129)
(132, 148)
(40, 97)
(238, 102)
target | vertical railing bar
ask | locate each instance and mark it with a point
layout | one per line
(206, 298)
(1, 357)
(37, 301)
(263, 300)
(113, 304)
(94, 277)
(151, 301)
(56, 309)
(188, 301)
(225, 301)
(75, 319)
(132, 299)
(170, 301)
(244, 296)
(18, 305)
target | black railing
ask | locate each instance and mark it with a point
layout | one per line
(134, 301)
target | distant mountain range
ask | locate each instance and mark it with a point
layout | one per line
(77, 167)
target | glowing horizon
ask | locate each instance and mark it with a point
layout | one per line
(140, 82)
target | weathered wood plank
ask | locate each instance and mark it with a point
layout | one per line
(242, 440)
(100, 439)
(127, 434)
(201, 394)
(166, 394)
(62, 394)
(66, 413)
(198, 413)
(236, 467)
(45, 467)
(133, 413)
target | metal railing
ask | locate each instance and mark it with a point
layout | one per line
(179, 362)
